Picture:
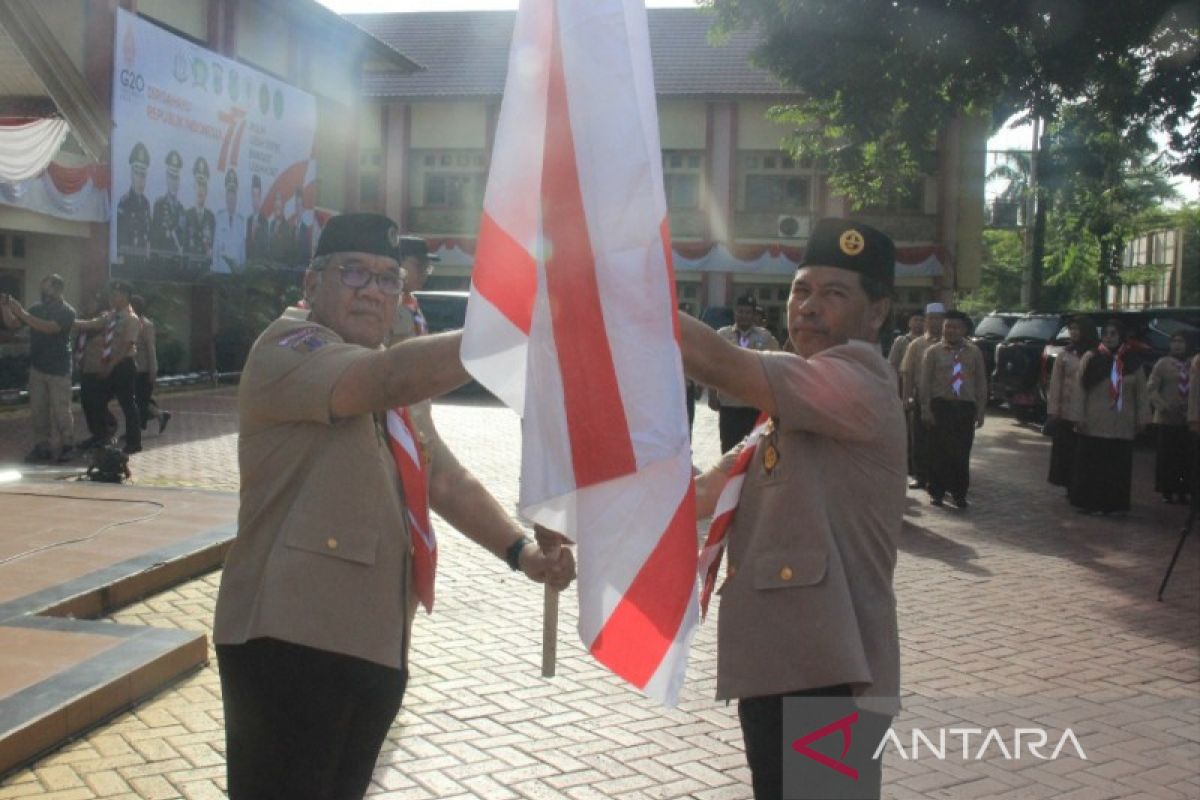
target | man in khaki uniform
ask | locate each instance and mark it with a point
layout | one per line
(317, 597)
(916, 329)
(807, 609)
(117, 332)
(416, 263)
(910, 373)
(146, 360)
(736, 417)
(953, 396)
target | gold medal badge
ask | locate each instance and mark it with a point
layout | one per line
(770, 457)
(851, 242)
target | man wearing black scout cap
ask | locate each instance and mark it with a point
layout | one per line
(416, 262)
(807, 608)
(321, 584)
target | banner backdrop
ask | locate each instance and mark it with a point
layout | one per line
(213, 166)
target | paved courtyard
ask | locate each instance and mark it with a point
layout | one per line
(1015, 614)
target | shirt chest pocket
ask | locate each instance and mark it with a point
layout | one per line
(330, 525)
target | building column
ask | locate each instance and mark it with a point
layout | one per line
(395, 162)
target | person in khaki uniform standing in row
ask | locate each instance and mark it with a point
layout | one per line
(1112, 406)
(1064, 379)
(807, 609)
(910, 378)
(1168, 387)
(736, 417)
(315, 608)
(916, 329)
(953, 396)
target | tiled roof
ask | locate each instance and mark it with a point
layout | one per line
(465, 54)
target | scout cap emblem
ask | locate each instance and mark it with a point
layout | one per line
(851, 242)
(393, 236)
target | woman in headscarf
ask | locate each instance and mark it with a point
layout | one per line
(1082, 334)
(1168, 390)
(1110, 406)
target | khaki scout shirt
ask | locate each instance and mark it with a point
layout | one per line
(129, 325)
(322, 553)
(809, 601)
(146, 357)
(910, 365)
(1170, 407)
(1063, 382)
(1094, 412)
(92, 360)
(936, 370)
(755, 339)
(896, 353)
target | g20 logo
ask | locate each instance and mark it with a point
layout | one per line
(132, 80)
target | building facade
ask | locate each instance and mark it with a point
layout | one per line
(740, 206)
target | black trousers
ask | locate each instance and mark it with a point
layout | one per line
(1062, 454)
(762, 732)
(1103, 474)
(301, 723)
(142, 391)
(122, 384)
(1172, 462)
(950, 440)
(735, 424)
(918, 450)
(93, 400)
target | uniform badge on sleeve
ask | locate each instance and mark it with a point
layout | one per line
(305, 340)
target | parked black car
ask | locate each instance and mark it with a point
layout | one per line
(988, 333)
(1019, 364)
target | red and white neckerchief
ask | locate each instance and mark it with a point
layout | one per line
(956, 373)
(1116, 376)
(110, 331)
(409, 301)
(403, 442)
(1185, 378)
(727, 504)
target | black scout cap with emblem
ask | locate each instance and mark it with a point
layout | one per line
(174, 163)
(139, 158)
(847, 244)
(360, 233)
(415, 247)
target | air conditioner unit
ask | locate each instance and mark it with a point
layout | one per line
(788, 226)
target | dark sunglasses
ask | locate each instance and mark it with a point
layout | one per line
(357, 277)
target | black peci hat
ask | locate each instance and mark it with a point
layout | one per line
(848, 244)
(360, 233)
(416, 247)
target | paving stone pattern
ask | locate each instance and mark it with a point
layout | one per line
(1015, 613)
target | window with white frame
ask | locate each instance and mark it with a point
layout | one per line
(450, 179)
(774, 182)
(683, 176)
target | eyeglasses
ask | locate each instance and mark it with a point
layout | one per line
(358, 277)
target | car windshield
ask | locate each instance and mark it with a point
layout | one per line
(992, 327)
(443, 313)
(1040, 328)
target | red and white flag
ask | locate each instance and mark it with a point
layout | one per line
(572, 323)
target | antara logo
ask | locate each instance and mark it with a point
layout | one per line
(843, 725)
(991, 740)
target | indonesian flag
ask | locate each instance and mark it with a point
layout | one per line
(572, 323)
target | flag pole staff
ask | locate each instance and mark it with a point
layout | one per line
(549, 541)
(549, 631)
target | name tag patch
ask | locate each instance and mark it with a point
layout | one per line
(304, 340)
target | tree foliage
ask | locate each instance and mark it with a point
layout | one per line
(879, 78)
